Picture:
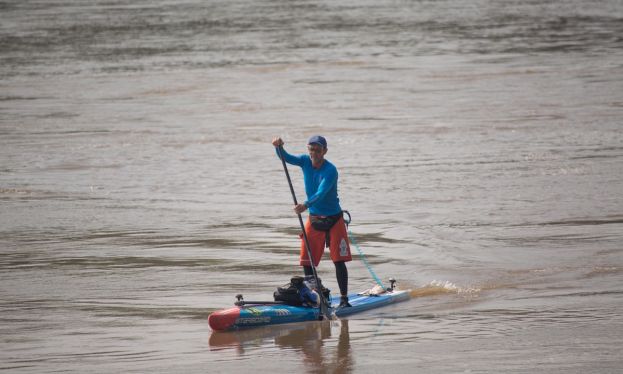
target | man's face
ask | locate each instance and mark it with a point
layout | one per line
(316, 152)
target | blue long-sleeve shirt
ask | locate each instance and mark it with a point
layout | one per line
(320, 184)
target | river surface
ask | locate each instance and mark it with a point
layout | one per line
(480, 151)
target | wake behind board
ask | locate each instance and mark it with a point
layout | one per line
(272, 314)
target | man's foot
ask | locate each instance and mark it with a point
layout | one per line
(344, 302)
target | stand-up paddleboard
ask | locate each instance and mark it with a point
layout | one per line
(261, 314)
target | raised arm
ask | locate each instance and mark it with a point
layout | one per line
(290, 159)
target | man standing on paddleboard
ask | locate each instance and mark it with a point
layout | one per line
(325, 224)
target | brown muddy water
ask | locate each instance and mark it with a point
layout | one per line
(480, 150)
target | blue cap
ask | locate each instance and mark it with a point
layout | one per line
(317, 139)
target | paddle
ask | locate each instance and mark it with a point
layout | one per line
(324, 308)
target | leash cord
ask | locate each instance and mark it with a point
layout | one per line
(361, 255)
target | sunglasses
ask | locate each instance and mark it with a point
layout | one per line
(315, 149)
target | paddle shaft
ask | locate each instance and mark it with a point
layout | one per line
(323, 303)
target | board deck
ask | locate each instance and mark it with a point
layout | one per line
(262, 315)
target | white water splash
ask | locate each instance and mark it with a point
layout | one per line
(441, 287)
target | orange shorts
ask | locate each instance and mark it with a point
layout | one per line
(339, 244)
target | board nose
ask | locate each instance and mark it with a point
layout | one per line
(223, 319)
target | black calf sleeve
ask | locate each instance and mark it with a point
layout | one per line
(307, 270)
(341, 273)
